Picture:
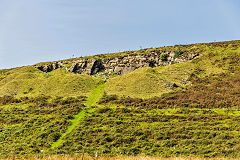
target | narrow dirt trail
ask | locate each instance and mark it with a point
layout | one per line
(92, 100)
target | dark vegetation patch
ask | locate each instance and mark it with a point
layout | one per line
(177, 53)
(213, 91)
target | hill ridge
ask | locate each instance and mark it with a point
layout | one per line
(126, 62)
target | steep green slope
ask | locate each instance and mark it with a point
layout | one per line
(28, 81)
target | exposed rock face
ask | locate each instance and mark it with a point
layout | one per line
(118, 65)
(90, 67)
(97, 67)
(49, 67)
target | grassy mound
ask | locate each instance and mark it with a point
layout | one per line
(28, 81)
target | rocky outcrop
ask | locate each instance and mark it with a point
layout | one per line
(118, 65)
(48, 67)
(90, 66)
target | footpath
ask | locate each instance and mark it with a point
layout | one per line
(92, 100)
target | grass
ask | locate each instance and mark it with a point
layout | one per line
(73, 124)
(149, 82)
(142, 83)
(181, 110)
(114, 130)
(123, 158)
(94, 96)
(34, 127)
(28, 81)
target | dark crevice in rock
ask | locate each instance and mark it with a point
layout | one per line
(76, 69)
(79, 67)
(40, 68)
(152, 64)
(97, 67)
(48, 67)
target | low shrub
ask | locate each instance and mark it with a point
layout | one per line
(178, 53)
(163, 57)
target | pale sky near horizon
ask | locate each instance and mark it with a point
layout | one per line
(33, 31)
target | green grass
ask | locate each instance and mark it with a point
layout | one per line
(28, 81)
(73, 124)
(94, 96)
(149, 82)
(199, 118)
(115, 130)
(142, 83)
(34, 124)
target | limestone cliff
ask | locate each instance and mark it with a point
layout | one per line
(118, 65)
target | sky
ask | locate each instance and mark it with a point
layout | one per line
(33, 31)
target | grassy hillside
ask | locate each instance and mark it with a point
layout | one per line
(150, 82)
(187, 109)
(94, 97)
(120, 130)
(29, 125)
(29, 81)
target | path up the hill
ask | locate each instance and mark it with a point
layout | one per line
(92, 99)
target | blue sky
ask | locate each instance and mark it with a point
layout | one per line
(33, 31)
